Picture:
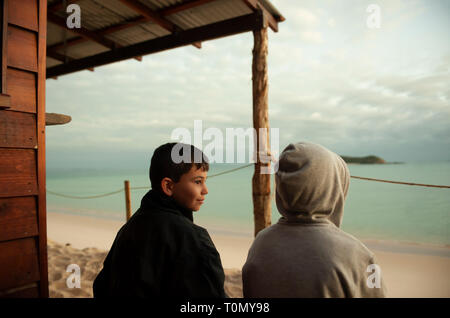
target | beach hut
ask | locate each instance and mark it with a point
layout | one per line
(46, 39)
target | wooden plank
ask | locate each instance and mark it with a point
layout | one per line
(5, 101)
(56, 119)
(18, 218)
(23, 13)
(260, 182)
(22, 89)
(19, 259)
(22, 49)
(17, 172)
(216, 30)
(41, 173)
(17, 130)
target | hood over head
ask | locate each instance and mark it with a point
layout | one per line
(311, 184)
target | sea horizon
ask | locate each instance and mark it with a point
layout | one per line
(373, 210)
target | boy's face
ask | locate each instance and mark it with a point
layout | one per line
(190, 190)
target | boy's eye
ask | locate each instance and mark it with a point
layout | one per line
(198, 181)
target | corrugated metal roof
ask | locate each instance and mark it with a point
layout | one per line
(160, 4)
(85, 49)
(103, 14)
(211, 12)
(139, 33)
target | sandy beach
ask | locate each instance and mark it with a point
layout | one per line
(409, 270)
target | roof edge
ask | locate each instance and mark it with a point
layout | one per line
(273, 10)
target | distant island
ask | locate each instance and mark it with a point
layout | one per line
(366, 160)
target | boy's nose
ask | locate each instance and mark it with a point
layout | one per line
(205, 189)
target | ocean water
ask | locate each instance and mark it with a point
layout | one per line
(373, 210)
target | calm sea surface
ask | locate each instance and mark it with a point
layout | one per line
(373, 210)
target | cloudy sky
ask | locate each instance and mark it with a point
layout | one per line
(332, 80)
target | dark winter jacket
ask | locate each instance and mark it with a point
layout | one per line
(160, 252)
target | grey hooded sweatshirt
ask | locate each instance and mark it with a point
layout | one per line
(306, 254)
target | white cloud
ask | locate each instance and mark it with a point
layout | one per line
(339, 93)
(312, 37)
(303, 17)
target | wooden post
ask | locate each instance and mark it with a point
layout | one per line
(127, 199)
(260, 182)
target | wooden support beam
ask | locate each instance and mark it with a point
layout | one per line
(255, 5)
(237, 25)
(261, 182)
(40, 151)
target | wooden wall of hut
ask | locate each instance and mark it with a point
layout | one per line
(23, 237)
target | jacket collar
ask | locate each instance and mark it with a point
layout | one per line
(156, 200)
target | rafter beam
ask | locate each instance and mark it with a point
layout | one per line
(154, 16)
(150, 15)
(108, 30)
(237, 25)
(129, 23)
(85, 33)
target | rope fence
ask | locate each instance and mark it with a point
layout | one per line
(233, 170)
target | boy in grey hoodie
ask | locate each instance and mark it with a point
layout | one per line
(306, 254)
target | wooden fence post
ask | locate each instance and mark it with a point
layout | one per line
(127, 199)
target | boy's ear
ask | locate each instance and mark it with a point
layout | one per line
(167, 186)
